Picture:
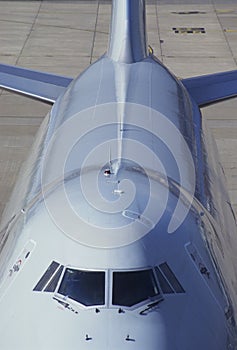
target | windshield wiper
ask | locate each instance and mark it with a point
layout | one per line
(62, 302)
(150, 307)
(65, 304)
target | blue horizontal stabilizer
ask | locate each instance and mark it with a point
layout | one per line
(41, 86)
(213, 88)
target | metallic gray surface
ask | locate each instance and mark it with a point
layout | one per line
(208, 228)
(209, 89)
(41, 86)
(110, 81)
(127, 42)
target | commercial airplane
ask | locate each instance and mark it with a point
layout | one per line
(120, 233)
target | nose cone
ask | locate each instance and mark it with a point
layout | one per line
(114, 330)
(119, 329)
(51, 325)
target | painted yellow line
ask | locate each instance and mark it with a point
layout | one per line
(225, 11)
(230, 30)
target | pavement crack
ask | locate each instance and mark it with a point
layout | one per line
(94, 35)
(29, 34)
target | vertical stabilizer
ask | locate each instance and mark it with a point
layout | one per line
(127, 42)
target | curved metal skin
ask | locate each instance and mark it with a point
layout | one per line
(121, 178)
(127, 42)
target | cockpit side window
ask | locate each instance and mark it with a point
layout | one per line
(133, 287)
(168, 273)
(164, 285)
(168, 281)
(47, 276)
(85, 287)
(51, 286)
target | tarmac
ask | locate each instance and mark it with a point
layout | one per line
(191, 37)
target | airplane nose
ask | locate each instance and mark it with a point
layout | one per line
(122, 330)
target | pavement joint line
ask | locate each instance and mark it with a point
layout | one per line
(14, 21)
(54, 26)
(30, 31)
(158, 28)
(224, 33)
(94, 35)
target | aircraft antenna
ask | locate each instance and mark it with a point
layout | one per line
(110, 160)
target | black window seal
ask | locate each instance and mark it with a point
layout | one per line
(171, 278)
(60, 296)
(158, 297)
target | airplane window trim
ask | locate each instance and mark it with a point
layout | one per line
(53, 282)
(46, 277)
(163, 282)
(137, 304)
(72, 298)
(171, 278)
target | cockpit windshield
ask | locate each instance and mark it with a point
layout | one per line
(129, 288)
(85, 287)
(133, 287)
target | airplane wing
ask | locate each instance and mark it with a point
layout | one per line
(213, 88)
(37, 85)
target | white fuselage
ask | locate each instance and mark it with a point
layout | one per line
(97, 195)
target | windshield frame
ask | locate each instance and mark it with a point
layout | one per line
(108, 289)
(64, 298)
(158, 297)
